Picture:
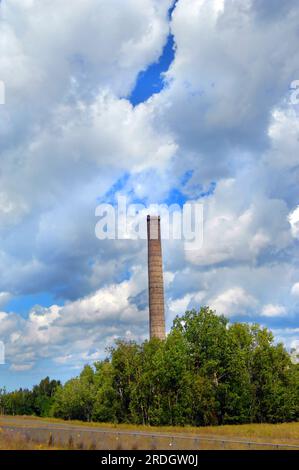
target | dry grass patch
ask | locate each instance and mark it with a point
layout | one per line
(284, 433)
(15, 441)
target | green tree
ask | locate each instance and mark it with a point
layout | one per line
(274, 379)
(75, 399)
(206, 372)
(43, 396)
(106, 405)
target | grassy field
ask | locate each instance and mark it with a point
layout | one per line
(285, 433)
(281, 431)
(18, 442)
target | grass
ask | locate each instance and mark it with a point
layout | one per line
(9, 441)
(286, 433)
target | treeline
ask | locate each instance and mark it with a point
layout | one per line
(38, 401)
(206, 372)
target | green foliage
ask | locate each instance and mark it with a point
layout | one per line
(106, 406)
(205, 372)
(26, 402)
(75, 399)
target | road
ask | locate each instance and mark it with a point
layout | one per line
(65, 434)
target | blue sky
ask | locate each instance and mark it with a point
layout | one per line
(161, 102)
(151, 80)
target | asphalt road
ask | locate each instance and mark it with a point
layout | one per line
(40, 430)
(19, 422)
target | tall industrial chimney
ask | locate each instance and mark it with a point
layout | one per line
(155, 278)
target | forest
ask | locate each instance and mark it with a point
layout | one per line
(206, 372)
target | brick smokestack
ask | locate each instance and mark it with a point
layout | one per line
(155, 278)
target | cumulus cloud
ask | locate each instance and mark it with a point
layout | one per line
(271, 310)
(221, 132)
(283, 132)
(239, 227)
(179, 305)
(216, 89)
(78, 331)
(295, 289)
(93, 44)
(294, 221)
(234, 301)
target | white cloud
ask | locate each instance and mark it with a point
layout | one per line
(179, 306)
(271, 310)
(295, 289)
(49, 45)
(21, 367)
(283, 132)
(294, 221)
(234, 301)
(240, 227)
(216, 89)
(77, 332)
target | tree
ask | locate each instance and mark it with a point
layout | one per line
(274, 379)
(43, 395)
(75, 399)
(106, 406)
(206, 372)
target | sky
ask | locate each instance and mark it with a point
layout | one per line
(162, 102)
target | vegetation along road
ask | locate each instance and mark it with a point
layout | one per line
(96, 436)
